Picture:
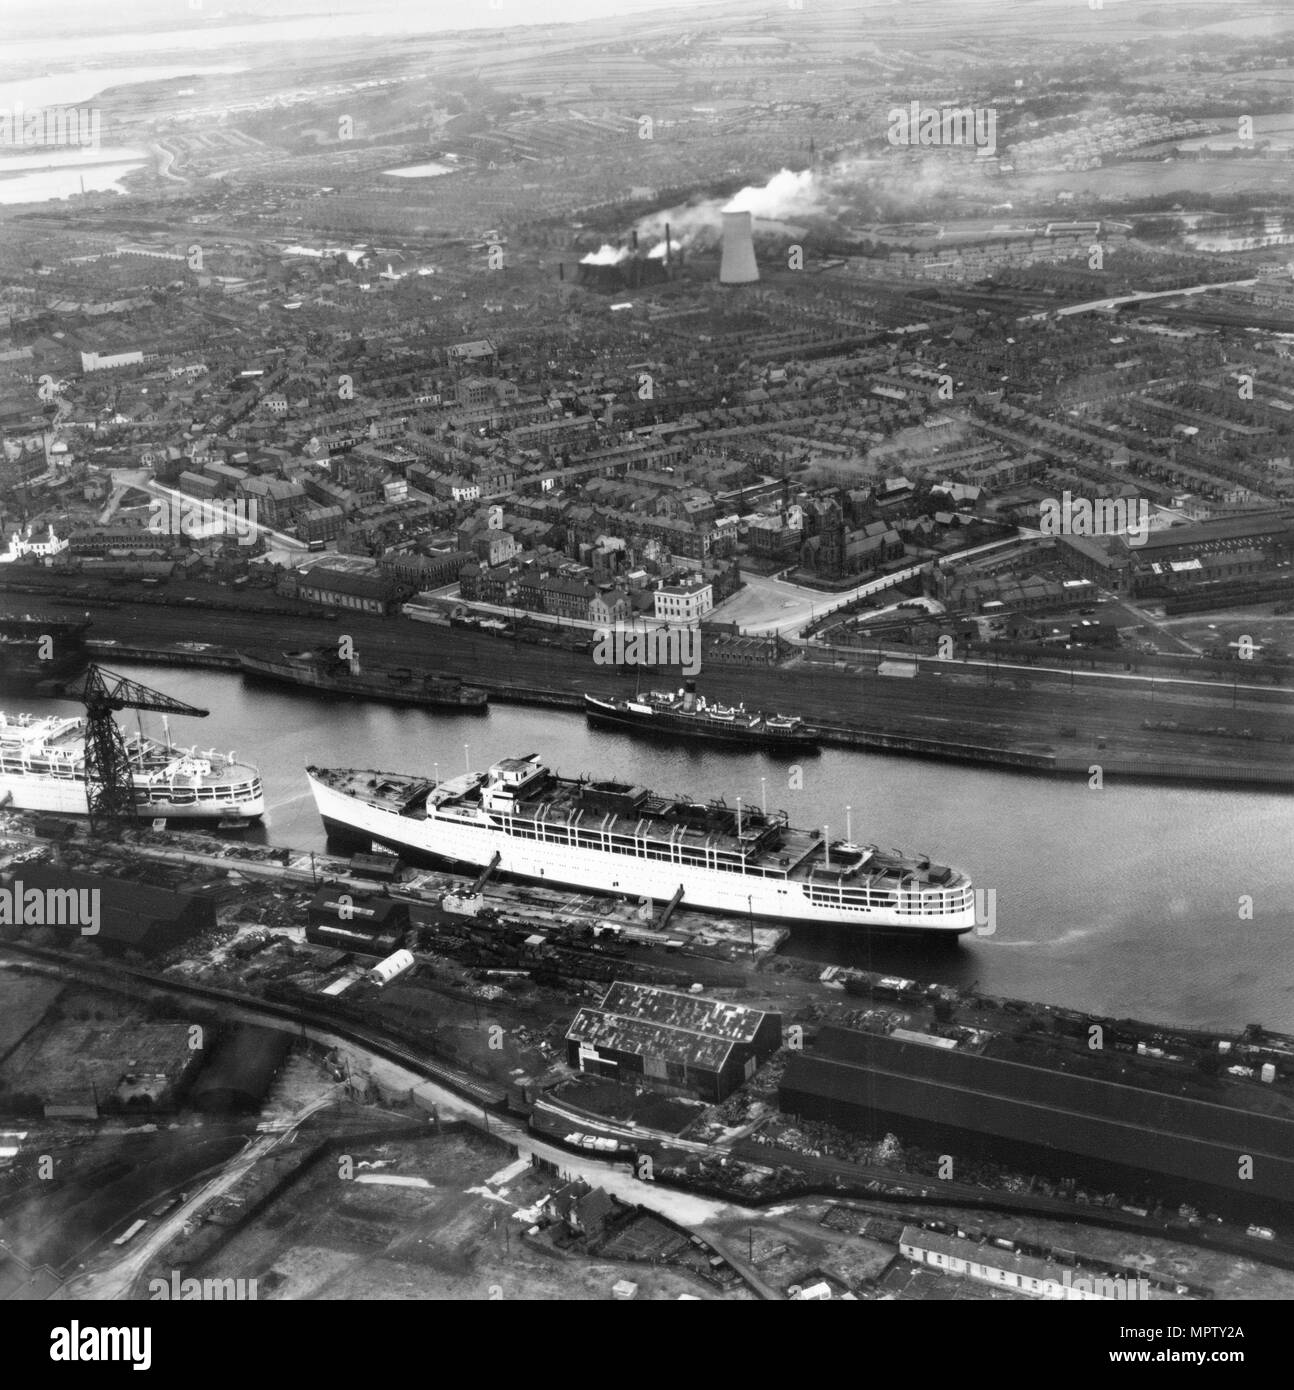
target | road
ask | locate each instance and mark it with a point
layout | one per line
(285, 550)
(119, 1278)
(769, 605)
(116, 1280)
(1136, 298)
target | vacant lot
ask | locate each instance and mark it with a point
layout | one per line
(459, 1237)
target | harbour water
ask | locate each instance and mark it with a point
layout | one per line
(1128, 901)
(31, 173)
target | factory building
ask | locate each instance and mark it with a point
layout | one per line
(672, 1042)
(1273, 530)
(350, 920)
(241, 1071)
(1111, 1136)
(131, 916)
(631, 272)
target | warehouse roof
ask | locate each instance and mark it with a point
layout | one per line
(363, 912)
(1210, 532)
(660, 1023)
(680, 1045)
(735, 1022)
(129, 913)
(330, 581)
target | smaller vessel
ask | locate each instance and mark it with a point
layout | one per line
(323, 669)
(36, 649)
(685, 714)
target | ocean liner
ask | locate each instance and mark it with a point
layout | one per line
(42, 768)
(689, 715)
(609, 837)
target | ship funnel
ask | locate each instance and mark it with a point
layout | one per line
(689, 696)
(737, 266)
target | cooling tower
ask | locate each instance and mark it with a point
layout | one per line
(737, 266)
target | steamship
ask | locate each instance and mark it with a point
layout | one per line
(35, 649)
(42, 768)
(323, 669)
(688, 715)
(523, 820)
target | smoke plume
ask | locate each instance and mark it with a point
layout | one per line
(606, 254)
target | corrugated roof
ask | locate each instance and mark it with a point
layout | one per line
(681, 1028)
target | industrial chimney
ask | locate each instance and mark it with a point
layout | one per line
(737, 265)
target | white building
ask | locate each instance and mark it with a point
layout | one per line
(96, 362)
(1007, 1269)
(683, 604)
(20, 546)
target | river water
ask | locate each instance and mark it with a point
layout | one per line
(1125, 901)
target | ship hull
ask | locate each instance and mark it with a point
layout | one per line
(359, 689)
(67, 797)
(464, 842)
(606, 715)
(35, 651)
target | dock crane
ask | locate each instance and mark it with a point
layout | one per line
(109, 786)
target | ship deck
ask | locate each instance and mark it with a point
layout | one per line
(764, 845)
(658, 704)
(53, 745)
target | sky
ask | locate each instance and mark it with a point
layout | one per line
(69, 19)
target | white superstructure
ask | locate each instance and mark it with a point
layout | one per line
(42, 768)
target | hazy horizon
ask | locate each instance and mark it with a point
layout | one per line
(89, 20)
